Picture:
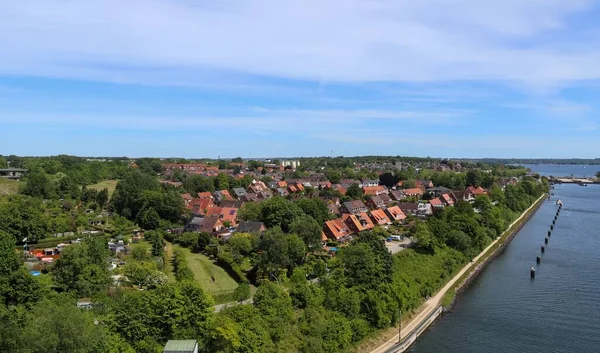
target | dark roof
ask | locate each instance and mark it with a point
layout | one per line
(250, 227)
(440, 189)
(231, 203)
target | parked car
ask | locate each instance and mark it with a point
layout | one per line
(396, 237)
(389, 239)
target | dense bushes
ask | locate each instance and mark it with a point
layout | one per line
(180, 266)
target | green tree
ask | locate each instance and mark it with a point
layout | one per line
(474, 178)
(148, 218)
(3, 162)
(278, 211)
(423, 236)
(128, 198)
(23, 217)
(102, 197)
(59, 326)
(76, 271)
(38, 185)
(459, 241)
(315, 208)
(275, 305)
(279, 251)
(308, 230)
(242, 292)
(250, 211)
(240, 245)
(355, 192)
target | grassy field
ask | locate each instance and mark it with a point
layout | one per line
(204, 269)
(8, 187)
(107, 184)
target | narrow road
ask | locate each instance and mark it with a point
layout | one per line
(430, 305)
(220, 307)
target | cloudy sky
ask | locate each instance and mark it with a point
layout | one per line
(200, 78)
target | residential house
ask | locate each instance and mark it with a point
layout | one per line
(476, 191)
(205, 195)
(352, 223)
(187, 199)
(323, 185)
(249, 197)
(397, 195)
(239, 192)
(438, 191)
(341, 189)
(251, 227)
(372, 182)
(222, 195)
(348, 182)
(281, 192)
(409, 208)
(424, 209)
(395, 213)
(447, 200)
(376, 202)
(414, 192)
(282, 184)
(333, 209)
(231, 203)
(354, 207)
(200, 206)
(194, 224)
(374, 190)
(225, 214)
(337, 230)
(424, 184)
(379, 217)
(365, 220)
(436, 204)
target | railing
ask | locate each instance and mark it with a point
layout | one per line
(412, 336)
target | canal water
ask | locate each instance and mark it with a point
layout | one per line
(558, 311)
(565, 170)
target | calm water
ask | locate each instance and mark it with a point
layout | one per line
(562, 170)
(559, 311)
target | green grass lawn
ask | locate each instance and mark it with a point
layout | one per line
(203, 268)
(106, 184)
(8, 186)
(168, 269)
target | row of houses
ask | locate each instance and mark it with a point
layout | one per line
(342, 229)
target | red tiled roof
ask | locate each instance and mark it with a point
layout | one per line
(413, 191)
(396, 213)
(204, 195)
(365, 220)
(448, 199)
(436, 202)
(352, 222)
(336, 228)
(373, 190)
(379, 217)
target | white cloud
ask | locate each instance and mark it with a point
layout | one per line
(195, 42)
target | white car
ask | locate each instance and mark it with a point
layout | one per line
(396, 237)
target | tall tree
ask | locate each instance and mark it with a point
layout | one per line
(278, 211)
(355, 192)
(308, 230)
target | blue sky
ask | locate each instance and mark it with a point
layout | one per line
(198, 78)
